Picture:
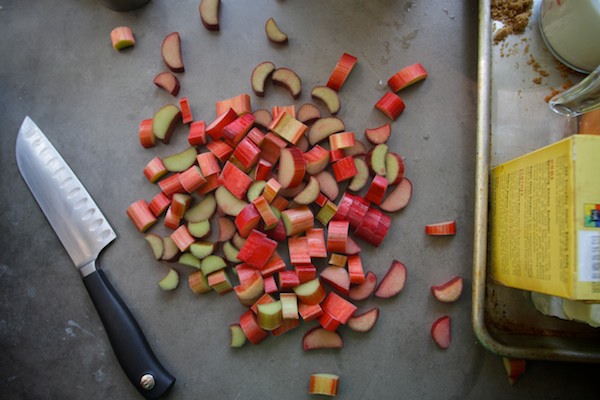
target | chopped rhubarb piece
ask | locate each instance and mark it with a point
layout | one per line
(338, 260)
(266, 212)
(328, 322)
(273, 265)
(327, 212)
(364, 290)
(448, 292)
(292, 167)
(380, 134)
(280, 203)
(338, 307)
(172, 220)
(159, 203)
(247, 220)
(288, 127)
(155, 169)
(344, 169)
(209, 14)
(251, 288)
(219, 281)
(322, 128)
(168, 82)
(212, 183)
(263, 170)
(298, 248)
(310, 312)
(441, 332)
(269, 315)
(238, 339)
(215, 128)
(220, 149)
(390, 105)
(341, 140)
(198, 283)
(337, 278)
(235, 180)
(407, 76)
(274, 33)
(270, 284)
(240, 104)
(122, 37)
(226, 229)
(305, 272)
(252, 330)
(208, 163)
(377, 189)
(182, 238)
(308, 113)
(289, 80)
(237, 129)
(257, 249)
(286, 325)
(358, 211)
(515, 367)
(256, 135)
(352, 248)
(319, 338)
(263, 118)
(328, 96)
(171, 52)
(441, 228)
(271, 189)
(180, 202)
(341, 71)
(336, 155)
(247, 153)
(271, 147)
(140, 215)
(289, 305)
(264, 299)
(324, 384)
(365, 321)
(171, 185)
(191, 179)
(317, 159)
(259, 76)
(146, 135)
(399, 197)
(393, 282)
(277, 110)
(297, 220)
(316, 243)
(287, 279)
(374, 227)
(321, 200)
(355, 270)
(337, 233)
(164, 122)
(344, 206)
(186, 111)
(310, 292)
(197, 135)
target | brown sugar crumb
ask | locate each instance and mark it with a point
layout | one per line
(537, 80)
(514, 14)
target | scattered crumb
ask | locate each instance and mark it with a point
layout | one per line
(514, 14)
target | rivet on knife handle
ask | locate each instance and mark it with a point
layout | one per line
(127, 339)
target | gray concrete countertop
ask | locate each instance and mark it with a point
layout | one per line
(59, 68)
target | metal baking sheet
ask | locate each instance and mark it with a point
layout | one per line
(515, 79)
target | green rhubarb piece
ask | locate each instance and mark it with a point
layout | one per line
(230, 252)
(170, 281)
(255, 190)
(238, 338)
(199, 229)
(164, 122)
(156, 244)
(181, 161)
(269, 315)
(228, 203)
(212, 264)
(198, 283)
(190, 260)
(201, 249)
(326, 212)
(203, 210)
(378, 159)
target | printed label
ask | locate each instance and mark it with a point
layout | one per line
(589, 256)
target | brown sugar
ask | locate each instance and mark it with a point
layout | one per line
(514, 15)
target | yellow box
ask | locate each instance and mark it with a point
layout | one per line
(545, 220)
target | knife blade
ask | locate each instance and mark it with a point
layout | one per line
(85, 232)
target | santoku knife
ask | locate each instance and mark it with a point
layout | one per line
(84, 232)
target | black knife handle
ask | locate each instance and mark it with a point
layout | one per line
(127, 339)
